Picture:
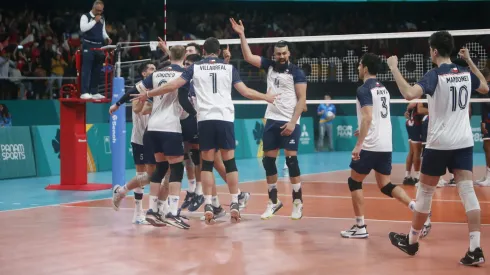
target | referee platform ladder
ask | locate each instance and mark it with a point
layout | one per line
(73, 135)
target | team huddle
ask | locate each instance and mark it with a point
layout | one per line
(184, 113)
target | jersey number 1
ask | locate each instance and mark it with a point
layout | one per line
(457, 98)
(213, 78)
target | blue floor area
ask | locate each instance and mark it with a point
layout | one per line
(30, 192)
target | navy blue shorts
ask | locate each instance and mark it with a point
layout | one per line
(216, 134)
(168, 143)
(142, 154)
(425, 128)
(435, 161)
(414, 133)
(487, 135)
(273, 140)
(189, 130)
(377, 161)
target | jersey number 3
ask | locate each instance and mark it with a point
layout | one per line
(213, 79)
(385, 107)
(457, 98)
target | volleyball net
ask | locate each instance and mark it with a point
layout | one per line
(330, 63)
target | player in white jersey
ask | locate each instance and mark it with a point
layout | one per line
(165, 134)
(143, 157)
(213, 82)
(374, 145)
(282, 129)
(449, 139)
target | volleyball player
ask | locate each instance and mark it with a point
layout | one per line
(485, 130)
(373, 150)
(213, 81)
(282, 129)
(414, 129)
(449, 139)
(143, 158)
(165, 134)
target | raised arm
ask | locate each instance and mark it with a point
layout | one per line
(254, 60)
(253, 94)
(479, 85)
(408, 91)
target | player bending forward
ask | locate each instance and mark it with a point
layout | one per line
(373, 149)
(449, 139)
(213, 81)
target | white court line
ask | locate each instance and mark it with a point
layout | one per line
(198, 214)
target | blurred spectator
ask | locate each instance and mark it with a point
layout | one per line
(5, 118)
(58, 65)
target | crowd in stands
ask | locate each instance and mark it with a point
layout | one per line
(34, 44)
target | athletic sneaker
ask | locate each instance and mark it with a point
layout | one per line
(426, 230)
(176, 221)
(401, 241)
(297, 210)
(271, 209)
(154, 218)
(483, 182)
(139, 218)
(451, 183)
(196, 203)
(355, 232)
(441, 183)
(243, 198)
(409, 181)
(218, 212)
(235, 212)
(473, 258)
(117, 197)
(209, 214)
(189, 197)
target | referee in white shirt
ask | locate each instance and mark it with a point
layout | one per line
(92, 25)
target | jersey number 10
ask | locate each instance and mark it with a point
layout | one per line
(457, 97)
(213, 78)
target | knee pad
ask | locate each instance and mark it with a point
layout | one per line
(207, 166)
(186, 156)
(160, 171)
(269, 166)
(292, 163)
(423, 200)
(230, 165)
(388, 189)
(196, 158)
(176, 172)
(468, 196)
(143, 179)
(354, 185)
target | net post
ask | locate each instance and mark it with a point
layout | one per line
(118, 134)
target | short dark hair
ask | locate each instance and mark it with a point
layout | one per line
(443, 42)
(193, 58)
(144, 66)
(195, 45)
(372, 62)
(211, 45)
(281, 44)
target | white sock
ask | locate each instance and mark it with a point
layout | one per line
(417, 174)
(488, 173)
(138, 206)
(474, 240)
(414, 236)
(271, 186)
(174, 204)
(407, 174)
(452, 175)
(360, 220)
(296, 186)
(215, 201)
(411, 205)
(192, 186)
(154, 203)
(427, 222)
(208, 199)
(234, 198)
(199, 189)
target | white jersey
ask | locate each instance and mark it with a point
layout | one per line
(212, 82)
(282, 84)
(166, 112)
(379, 138)
(140, 122)
(449, 90)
